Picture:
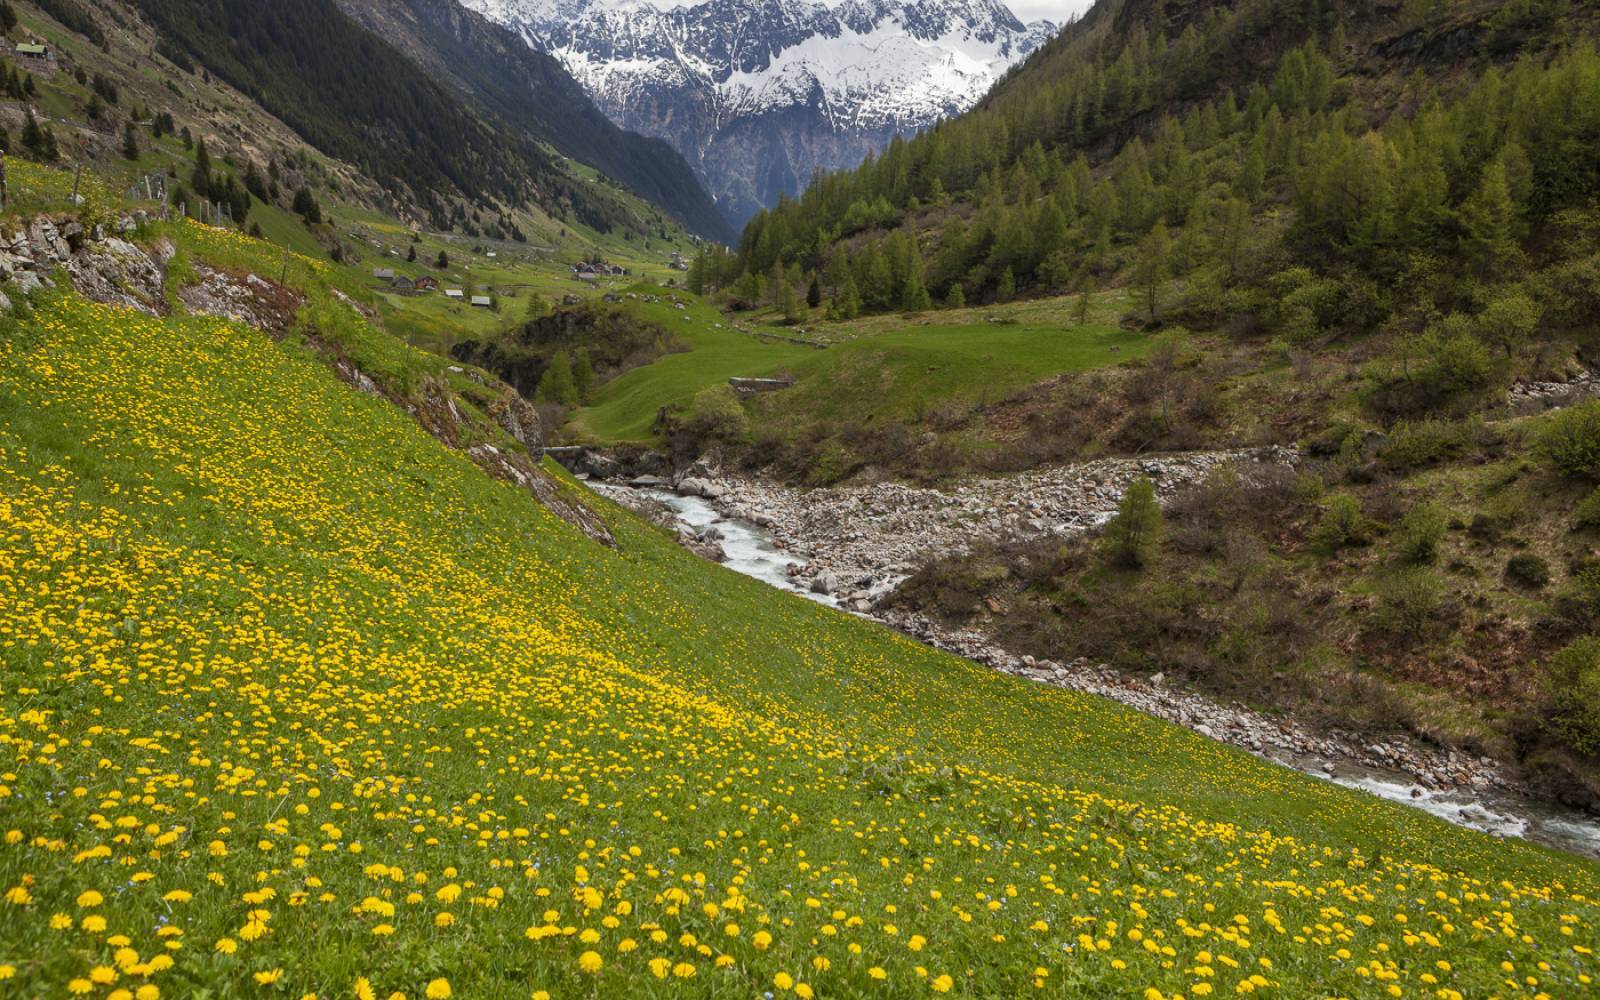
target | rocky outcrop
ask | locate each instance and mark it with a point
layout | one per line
(244, 298)
(1534, 397)
(454, 422)
(101, 264)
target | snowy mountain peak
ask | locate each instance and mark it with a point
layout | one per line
(760, 93)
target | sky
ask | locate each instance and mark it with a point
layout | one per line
(1058, 11)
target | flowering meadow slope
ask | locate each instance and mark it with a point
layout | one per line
(297, 702)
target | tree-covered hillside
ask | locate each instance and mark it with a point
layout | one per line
(352, 95)
(1230, 144)
(532, 94)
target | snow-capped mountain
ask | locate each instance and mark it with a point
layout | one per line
(758, 94)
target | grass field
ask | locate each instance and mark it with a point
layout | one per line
(297, 702)
(872, 369)
(625, 408)
(905, 373)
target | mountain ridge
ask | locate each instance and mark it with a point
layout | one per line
(353, 93)
(760, 94)
(530, 90)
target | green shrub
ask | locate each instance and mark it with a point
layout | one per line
(1416, 539)
(1579, 598)
(1570, 438)
(1453, 359)
(1444, 367)
(1408, 601)
(1528, 569)
(1132, 536)
(1572, 680)
(1414, 444)
(1588, 513)
(1342, 525)
(717, 417)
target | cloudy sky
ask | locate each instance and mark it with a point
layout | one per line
(1058, 11)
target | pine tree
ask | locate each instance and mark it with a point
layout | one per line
(1132, 536)
(200, 180)
(130, 143)
(914, 294)
(254, 182)
(790, 303)
(955, 298)
(1236, 225)
(305, 204)
(443, 261)
(556, 385)
(1253, 172)
(33, 137)
(411, 254)
(1154, 267)
(1084, 302)
(1489, 221)
(583, 374)
(814, 292)
(1005, 289)
(777, 285)
(848, 302)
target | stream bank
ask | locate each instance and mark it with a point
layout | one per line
(870, 537)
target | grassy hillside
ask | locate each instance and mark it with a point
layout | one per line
(625, 408)
(297, 702)
(873, 371)
(539, 238)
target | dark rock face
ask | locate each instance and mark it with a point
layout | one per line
(758, 95)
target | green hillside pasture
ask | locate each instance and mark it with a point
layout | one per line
(296, 701)
(624, 408)
(904, 374)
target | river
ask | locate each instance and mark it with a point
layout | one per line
(751, 550)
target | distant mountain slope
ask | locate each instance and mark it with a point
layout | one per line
(1163, 114)
(355, 96)
(760, 94)
(533, 94)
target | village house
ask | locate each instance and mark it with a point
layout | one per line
(591, 270)
(482, 302)
(383, 273)
(453, 293)
(427, 283)
(401, 283)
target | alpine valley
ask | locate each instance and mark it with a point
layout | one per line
(758, 95)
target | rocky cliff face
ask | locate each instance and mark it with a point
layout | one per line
(759, 94)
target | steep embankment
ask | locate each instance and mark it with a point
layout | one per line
(291, 684)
